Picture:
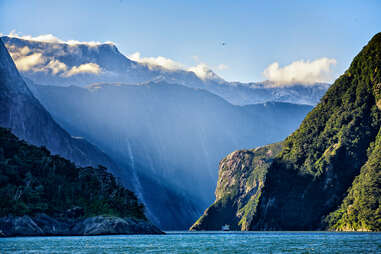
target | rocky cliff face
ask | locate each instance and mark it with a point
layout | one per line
(327, 175)
(21, 112)
(241, 178)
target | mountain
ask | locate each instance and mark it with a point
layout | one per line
(327, 174)
(42, 194)
(65, 64)
(23, 114)
(27, 118)
(168, 133)
(261, 92)
(241, 177)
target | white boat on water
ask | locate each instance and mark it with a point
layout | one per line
(225, 227)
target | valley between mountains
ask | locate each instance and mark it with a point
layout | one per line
(161, 149)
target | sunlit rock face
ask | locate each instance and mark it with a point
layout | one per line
(63, 64)
(241, 177)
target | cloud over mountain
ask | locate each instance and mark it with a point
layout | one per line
(301, 71)
(51, 38)
(202, 70)
(83, 68)
(36, 60)
(153, 62)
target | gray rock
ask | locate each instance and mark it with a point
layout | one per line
(51, 226)
(109, 225)
(21, 226)
(42, 224)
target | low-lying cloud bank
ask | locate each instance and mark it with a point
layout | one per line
(159, 61)
(83, 68)
(202, 70)
(34, 60)
(53, 39)
(302, 72)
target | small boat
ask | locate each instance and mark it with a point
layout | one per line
(225, 227)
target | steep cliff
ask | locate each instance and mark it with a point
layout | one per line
(241, 178)
(21, 112)
(327, 175)
(319, 161)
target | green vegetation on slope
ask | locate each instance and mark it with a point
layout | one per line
(240, 182)
(320, 160)
(34, 181)
(361, 209)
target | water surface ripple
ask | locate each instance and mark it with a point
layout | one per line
(204, 242)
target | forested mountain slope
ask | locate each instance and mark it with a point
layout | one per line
(336, 149)
(59, 196)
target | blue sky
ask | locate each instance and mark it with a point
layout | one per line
(257, 33)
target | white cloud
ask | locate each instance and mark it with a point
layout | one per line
(53, 39)
(24, 59)
(156, 61)
(202, 71)
(56, 66)
(304, 72)
(91, 68)
(39, 61)
(25, 63)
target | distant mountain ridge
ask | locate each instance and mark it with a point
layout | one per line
(63, 64)
(170, 133)
(140, 125)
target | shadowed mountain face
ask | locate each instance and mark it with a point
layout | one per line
(27, 118)
(63, 64)
(170, 133)
(21, 112)
(327, 174)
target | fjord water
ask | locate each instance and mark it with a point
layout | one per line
(204, 242)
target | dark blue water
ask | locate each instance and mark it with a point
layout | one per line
(211, 242)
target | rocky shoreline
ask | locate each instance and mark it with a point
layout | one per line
(44, 225)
